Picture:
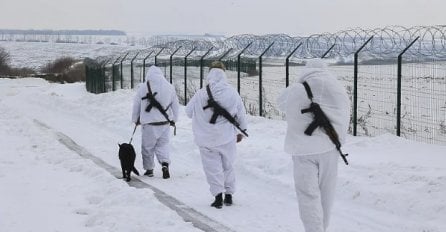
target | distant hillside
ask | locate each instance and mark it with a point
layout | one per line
(62, 32)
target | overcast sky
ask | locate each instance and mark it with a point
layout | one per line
(228, 17)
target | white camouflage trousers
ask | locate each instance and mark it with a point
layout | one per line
(155, 142)
(315, 182)
(218, 165)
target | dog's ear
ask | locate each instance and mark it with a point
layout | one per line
(119, 145)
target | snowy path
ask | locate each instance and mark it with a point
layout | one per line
(188, 214)
(255, 199)
(48, 187)
(388, 188)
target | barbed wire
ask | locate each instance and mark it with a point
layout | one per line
(387, 42)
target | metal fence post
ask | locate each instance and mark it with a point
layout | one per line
(201, 66)
(144, 66)
(170, 59)
(260, 80)
(103, 75)
(185, 75)
(239, 57)
(355, 88)
(131, 70)
(398, 100)
(328, 51)
(287, 65)
(121, 68)
(225, 54)
(156, 56)
(95, 83)
(87, 78)
(114, 73)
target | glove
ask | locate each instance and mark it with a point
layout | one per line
(239, 137)
(172, 123)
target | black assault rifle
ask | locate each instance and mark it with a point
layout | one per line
(155, 103)
(321, 120)
(219, 110)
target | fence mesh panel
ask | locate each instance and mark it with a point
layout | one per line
(423, 104)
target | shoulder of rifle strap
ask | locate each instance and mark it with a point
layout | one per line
(308, 90)
(208, 90)
(148, 87)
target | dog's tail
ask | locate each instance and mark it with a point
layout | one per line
(135, 171)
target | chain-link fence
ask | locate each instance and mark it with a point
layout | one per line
(396, 80)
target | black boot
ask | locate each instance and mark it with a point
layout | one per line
(149, 173)
(228, 199)
(165, 169)
(218, 203)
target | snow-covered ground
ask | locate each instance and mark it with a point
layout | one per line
(391, 184)
(38, 54)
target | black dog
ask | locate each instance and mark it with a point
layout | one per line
(127, 157)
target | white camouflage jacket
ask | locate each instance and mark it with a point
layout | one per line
(333, 100)
(166, 96)
(222, 132)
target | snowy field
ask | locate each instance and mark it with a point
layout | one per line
(38, 54)
(392, 184)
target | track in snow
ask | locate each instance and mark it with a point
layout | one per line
(188, 214)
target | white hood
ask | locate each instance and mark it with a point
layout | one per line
(218, 82)
(155, 76)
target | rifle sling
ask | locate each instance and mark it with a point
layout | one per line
(308, 90)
